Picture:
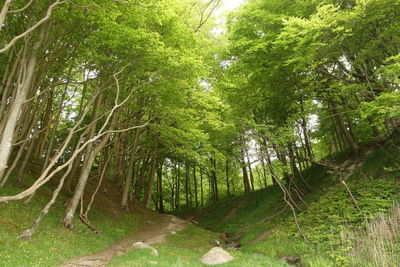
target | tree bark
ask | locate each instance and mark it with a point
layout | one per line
(150, 183)
(22, 91)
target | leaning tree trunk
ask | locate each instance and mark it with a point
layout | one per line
(68, 219)
(346, 133)
(22, 91)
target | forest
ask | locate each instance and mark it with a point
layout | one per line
(272, 127)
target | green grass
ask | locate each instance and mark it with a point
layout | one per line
(186, 248)
(53, 244)
(329, 213)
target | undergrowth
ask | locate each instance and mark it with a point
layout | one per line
(329, 215)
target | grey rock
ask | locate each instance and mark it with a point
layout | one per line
(216, 256)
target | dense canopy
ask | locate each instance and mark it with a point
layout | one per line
(149, 96)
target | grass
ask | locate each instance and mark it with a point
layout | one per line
(329, 213)
(53, 244)
(186, 248)
(333, 225)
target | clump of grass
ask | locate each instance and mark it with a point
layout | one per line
(378, 244)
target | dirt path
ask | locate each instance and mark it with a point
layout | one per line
(262, 236)
(154, 232)
(233, 212)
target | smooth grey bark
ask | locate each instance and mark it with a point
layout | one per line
(22, 91)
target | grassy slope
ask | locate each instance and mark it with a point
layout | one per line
(330, 212)
(53, 244)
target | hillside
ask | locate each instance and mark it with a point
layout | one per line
(327, 216)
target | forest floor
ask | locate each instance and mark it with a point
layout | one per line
(334, 226)
(153, 232)
(264, 224)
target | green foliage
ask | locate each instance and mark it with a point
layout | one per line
(329, 215)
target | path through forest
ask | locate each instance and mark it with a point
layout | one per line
(153, 232)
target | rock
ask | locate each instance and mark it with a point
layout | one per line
(216, 256)
(173, 233)
(195, 222)
(141, 245)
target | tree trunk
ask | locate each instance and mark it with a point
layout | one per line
(141, 178)
(160, 188)
(149, 189)
(250, 171)
(22, 91)
(195, 186)
(227, 177)
(177, 196)
(201, 187)
(78, 194)
(129, 177)
(346, 134)
(246, 183)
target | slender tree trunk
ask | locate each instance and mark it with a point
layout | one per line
(129, 176)
(149, 189)
(160, 188)
(141, 178)
(178, 182)
(195, 186)
(227, 177)
(187, 185)
(271, 168)
(214, 180)
(310, 152)
(264, 172)
(201, 187)
(346, 133)
(246, 183)
(250, 170)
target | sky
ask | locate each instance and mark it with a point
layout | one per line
(227, 5)
(230, 4)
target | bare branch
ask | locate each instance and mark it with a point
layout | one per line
(4, 11)
(34, 27)
(22, 8)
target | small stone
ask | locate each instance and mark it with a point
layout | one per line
(173, 233)
(216, 256)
